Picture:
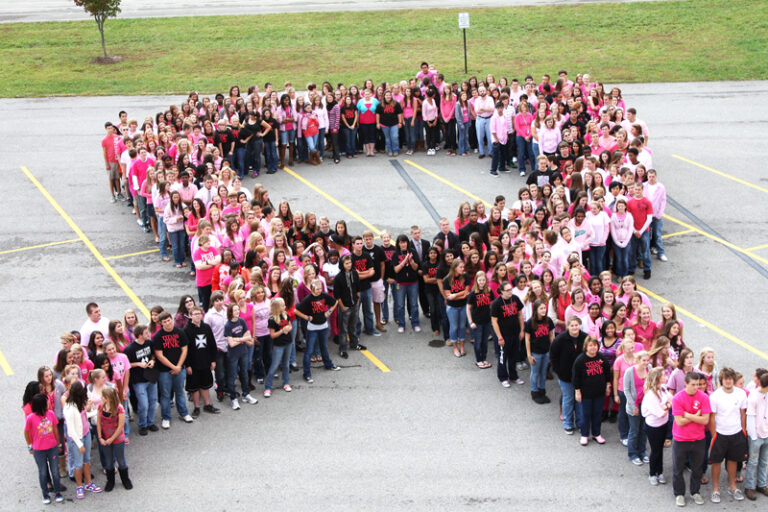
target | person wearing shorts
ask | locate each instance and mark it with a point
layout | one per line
(110, 147)
(201, 361)
(727, 426)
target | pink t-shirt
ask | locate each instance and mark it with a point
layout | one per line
(682, 403)
(204, 277)
(41, 429)
(622, 366)
(120, 366)
(645, 335)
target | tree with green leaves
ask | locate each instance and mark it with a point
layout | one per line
(100, 10)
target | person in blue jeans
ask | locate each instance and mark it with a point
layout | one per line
(634, 382)
(565, 348)
(389, 119)
(463, 121)
(642, 213)
(169, 345)
(280, 331)
(539, 334)
(657, 193)
(406, 270)
(42, 436)
(139, 354)
(239, 340)
(591, 375)
(478, 311)
(316, 309)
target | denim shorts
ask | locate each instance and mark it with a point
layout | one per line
(287, 136)
(76, 458)
(151, 211)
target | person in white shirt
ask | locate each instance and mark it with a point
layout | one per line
(657, 195)
(632, 118)
(95, 322)
(727, 424)
(756, 477)
(206, 193)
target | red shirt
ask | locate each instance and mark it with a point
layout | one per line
(640, 209)
(112, 144)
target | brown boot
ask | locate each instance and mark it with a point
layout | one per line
(291, 147)
(750, 494)
(281, 150)
(763, 490)
(314, 158)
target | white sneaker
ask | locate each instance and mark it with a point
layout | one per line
(625, 442)
(654, 250)
(165, 424)
(401, 329)
(188, 418)
(248, 398)
(235, 404)
(663, 257)
(661, 479)
(505, 384)
(417, 329)
(653, 479)
(519, 381)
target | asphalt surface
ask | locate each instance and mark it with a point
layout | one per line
(435, 433)
(61, 10)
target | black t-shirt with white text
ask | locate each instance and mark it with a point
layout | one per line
(170, 344)
(138, 353)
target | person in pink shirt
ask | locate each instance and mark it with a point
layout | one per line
(657, 195)
(599, 221)
(642, 213)
(499, 140)
(111, 147)
(483, 107)
(621, 227)
(121, 375)
(447, 116)
(523, 121)
(624, 361)
(42, 436)
(173, 217)
(205, 258)
(691, 410)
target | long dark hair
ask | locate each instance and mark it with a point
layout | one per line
(98, 363)
(32, 389)
(77, 395)
(286, 293)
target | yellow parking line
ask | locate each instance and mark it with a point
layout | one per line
(367, 353)
(723, 174)
(40, 246)
(709, 325)
(375, 360)
(332, 199)
(683, 311)
(79, 232)
(716, 239)
(120, 256)
(757, 248)
(4, 365)
(676, 233)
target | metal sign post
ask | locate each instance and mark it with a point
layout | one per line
(464, 25)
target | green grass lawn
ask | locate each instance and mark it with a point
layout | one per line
(634, 42)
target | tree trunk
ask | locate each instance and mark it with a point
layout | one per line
(100, 22)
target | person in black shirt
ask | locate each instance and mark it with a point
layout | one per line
(421, 247)
(406, 269)
(365, 266)
(170, 346)
(455, 290)
(590, 375)
(389, 274)
(539, 333)
(542, 175)
(280, 328)
(270, 139)
(201, 361)
(564, 350)
(144, 384)
(346, 290)
(389, 119)
(428, 273)
(252, 135)
(378, 292)
(315, 309)
(474, 227)
(479, 317)
(507, 321)
(446, 260)
(225, 141)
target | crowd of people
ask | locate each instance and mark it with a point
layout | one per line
(533, 281)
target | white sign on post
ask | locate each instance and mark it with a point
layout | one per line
(463, 20)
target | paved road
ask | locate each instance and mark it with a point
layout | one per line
(434, 434)
(65, 10)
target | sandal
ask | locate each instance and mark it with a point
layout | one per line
(192, 273)
(178, 266)
(704, 480)
(456, 353)
(167, 258)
